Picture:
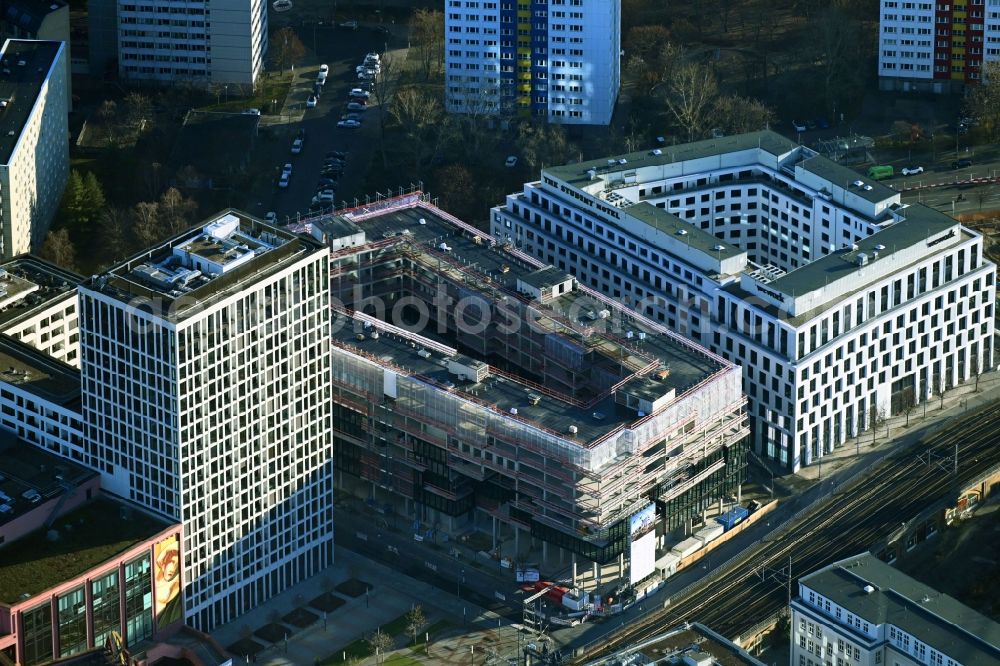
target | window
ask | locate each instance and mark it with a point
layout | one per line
(138, 600)
(107, 607)
(72, 623)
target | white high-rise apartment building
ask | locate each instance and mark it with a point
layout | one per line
(862, 612)
(211, 41)
(34, 140)
(205, 365)
(935, 46)
(558, 60)
(841, 303)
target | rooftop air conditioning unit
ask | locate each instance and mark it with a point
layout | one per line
(572, 429)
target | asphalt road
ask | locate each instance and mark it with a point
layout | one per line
(341, 49)
(853, 517)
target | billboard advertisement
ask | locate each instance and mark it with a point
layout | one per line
(642, 554)
(167, 581)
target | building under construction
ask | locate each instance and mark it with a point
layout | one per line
(472, 384)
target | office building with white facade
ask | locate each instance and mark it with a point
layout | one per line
(862, 611)
(205, 369)
(939, 47)
(558, 60)
(841, 303)
(215, 41)
(34, 140)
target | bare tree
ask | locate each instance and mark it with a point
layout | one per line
(415, 621)
(428, 36)
(977, 371)
(942, 387)
(421, 117)
(983, 102)
(907, 403)
(108, 115)
(59, 249)
(737, 115)
(286, 48)
(690, 95)
(383, 89)
(876, 418)
(379, 643)
(111, 233)
(137, 110)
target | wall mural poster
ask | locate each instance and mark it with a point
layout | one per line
(167, 581)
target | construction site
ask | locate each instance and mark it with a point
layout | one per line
(476, 389)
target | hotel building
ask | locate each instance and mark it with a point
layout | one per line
(205, 372)
(841, 303)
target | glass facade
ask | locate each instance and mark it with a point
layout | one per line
(38, 635)
(72, 622)
(107, 607)
(138, 600)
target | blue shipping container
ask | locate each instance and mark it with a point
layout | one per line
(732, 518)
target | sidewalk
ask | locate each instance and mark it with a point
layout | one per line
(899, 430)
(392, 595)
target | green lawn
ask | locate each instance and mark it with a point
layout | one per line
(98, 533)
(400, 660)
(359, 648)
(273, 88)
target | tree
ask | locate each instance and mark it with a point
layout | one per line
(834, 45)
(907, 403)
(379, 643)
(977, 370)
(107, 113)
(145, 223)
(690, 97)
(983, 102)
(541, 144)
(286, 48)
(383, 90)
(452, 185)
(58, 249)
(137, 109)
(427, 26)
(423, 121)
(876, 417)
(83, 200)
(646, 41)
(174, 212)
(415, 621)
(111, 240)
(737, 115)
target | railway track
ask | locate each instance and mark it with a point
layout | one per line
(849, 521)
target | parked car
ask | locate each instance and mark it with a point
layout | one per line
(326, 182)
(324, 69)
(510, 162)
(297, 146)
(373, 56)
(354, 106)
(352, 25)
(359, 100)
(287, 169)
(324, 197)
(365, 76)
(251, 112)
(271, 217)
(321, 79)
(961, 164)
(317, 90)
(798, 127)
(358, 92)
(351, 116)
(311, 102)
(911, 171)
(283, 181)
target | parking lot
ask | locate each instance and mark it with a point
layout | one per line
(342, 50)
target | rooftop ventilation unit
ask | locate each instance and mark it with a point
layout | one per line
(623, 161)
(858, 183)
(656, 151)
(718, 248)
(861, 259)
(869, 589)
(682, 232)
(880, 247)
(572, 429)
(513, 410)
(592, 173)
(423, 221)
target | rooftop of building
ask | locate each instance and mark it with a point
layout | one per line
(696, 641)
(847, 178)
(577, 176)
(34, 371)
(87, 537)
(24, 67)
(26, 468)
(919, 224)
(940, 621)
(27, 15)
(492, 273)
(28, 284)
(690, 234)
(204, 264)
